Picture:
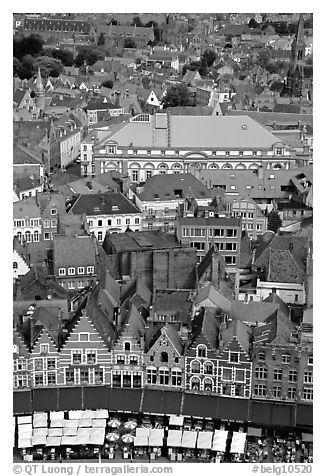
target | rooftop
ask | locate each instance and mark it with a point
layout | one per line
(109, 203)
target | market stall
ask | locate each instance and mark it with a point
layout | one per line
(155, 442)
(238, 444)
(204, 444)
(141, 445)
(219, 444)
(188, 443)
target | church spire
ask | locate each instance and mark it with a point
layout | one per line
(299, 34)
(39, 83)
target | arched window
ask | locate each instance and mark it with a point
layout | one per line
(227, 166)
(195, 383)
(127, 346)
(195, 367)
(253, 166)
(28, 236)
(277, 166)
(162, 168)
(201, 351)
(36, 237)
(208, 385)
(213, 166)
(19, 236)
(208, 368)
(240, 166)
(15, 265)
(164, 357)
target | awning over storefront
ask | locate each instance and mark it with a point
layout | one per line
(22, 401)
(45, 399)
(307, 437)
(304, 416)
(85, 423)
(100, 414)
(204, 441)
(125, 399)
(238, 442)
(143, 432)
(156, 437)
(152, 401)
(70, 398)
(57, 423)
(53, 441)
(189, 439)
(40, 420)
(83, 436)
(171, 403)
(97, 436)
(75, 414)
(70, 431)
(40, 431)
(219, 440)
(69, 441)
(200, 405)
(97, 423)
(174, 438)
(235, 409)
(38, 440)
(96, 397)
(176, 420)
(71, 423)
(261, 412)
(282, 415)
(55, 432)
(141, 441)
(254, 432)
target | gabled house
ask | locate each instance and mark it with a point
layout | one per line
(234, 373)
(27, 187)
(85, 357)
(201, 362)
(21, 378)
(45, 351)
(20, 266)
(128, 349)
(163, 358)
(209, 297)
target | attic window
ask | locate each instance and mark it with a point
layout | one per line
(115, 208)
(156, 195)
(244, 127)
(177, 192)
(202, 193)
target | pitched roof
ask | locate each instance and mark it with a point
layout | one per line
(238, 329)
(26, 208)
(218, 132)
(211, 293)
(253, 311)
(168, 187)
(140, 240)
(74, 251)
(283, 268)
(22, 155)
(109, 203)
(26, 183)
(277, 330)
(297, 244)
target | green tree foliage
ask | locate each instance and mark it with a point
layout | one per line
(49, 66)
(17, 67)
(274, 221)
(101, 39)
(27, 70)
(137, 21)
(253, 24)
(157, 32)
(65, 56)
(177, 95)
(264, 57)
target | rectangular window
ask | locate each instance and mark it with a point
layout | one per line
(164, 376)
(136, 221)
(70, 379)
(46, 223)
(218, 232)
(293, 374)
(230, 247)
(176, 378)
(47, 236)
(310, 360)
(83, 337)
(231, 233)
(90, 269)
(39, 381)
(278, 374)
(53, 211)
(52, 378)
(277, 391)
(239, 375)
(90, 223)
(292, 393)
(308, 377)
(234, 357)
(76, 357)
(53, 223)
(71, 285)
(38, 364)
(151, 376)
(261, 373)
(260, 390)
(84, 376)
(133, 360)
(80, 284)
(230, 259)
(307, 393)
(148, 174)
(120, 359)
(127, 221)
(71, 271)
(286, 358)
(51, 364)
(91, 357)
(81, 270)
(98, 376)
(134, 175)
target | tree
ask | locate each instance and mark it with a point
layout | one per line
(17, 67)
(107, 84)
(65, 56)
(101, 39)
(203, 69)
(137, 21)
(27, 69)
(29, 45)
(88, 54)
(264, 57)
(49, 66)
(210, 56)
(274, 221)
(176, 95)
(253, 24)
(156, 30)
(129, 43)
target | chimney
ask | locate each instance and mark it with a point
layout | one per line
(32, 330)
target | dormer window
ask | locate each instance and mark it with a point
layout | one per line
(71, 271)
(53, 211)
(201, 351)
(110, 149)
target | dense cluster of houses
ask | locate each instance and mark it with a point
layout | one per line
(144, 252)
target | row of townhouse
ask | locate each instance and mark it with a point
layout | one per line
(112, 344)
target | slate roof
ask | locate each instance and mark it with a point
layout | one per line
(102, 322)
(138, 293)
(140, 240)
(282, 268)
(189, 111)
(39, 24)
(253, 311)
(238, 329)
(210, 221)
(268, 118)
(22, 155)
(202, 132)
(26, 208)
(298, 245)
(109, 203)
(211, 293)
(205, 324)
(276, 330)
(162, 187)
(74, 251)
(207, 261)
(129, 316)
(26, 183)
(274, 298)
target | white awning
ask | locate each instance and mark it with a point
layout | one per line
(174, 438)
(142, 432)
(189, 439)
(88, 414)
(176, 420)
(40, 420)
(83, 435)
(141, 441)
(25, 430)
(56, 415)
(204, 441)
(53, 441)
(55, 432)
(25, 443)
(38, 440)
(156, 437)
(40, 431)
(57, 423)
(99, 423)
(97, 436)
(22, 420)
(219, 440)
(238, 442)
(85, 423)
(70, 423)
(70, 431)
(76, 414)
(69, 440)
(101, 413)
